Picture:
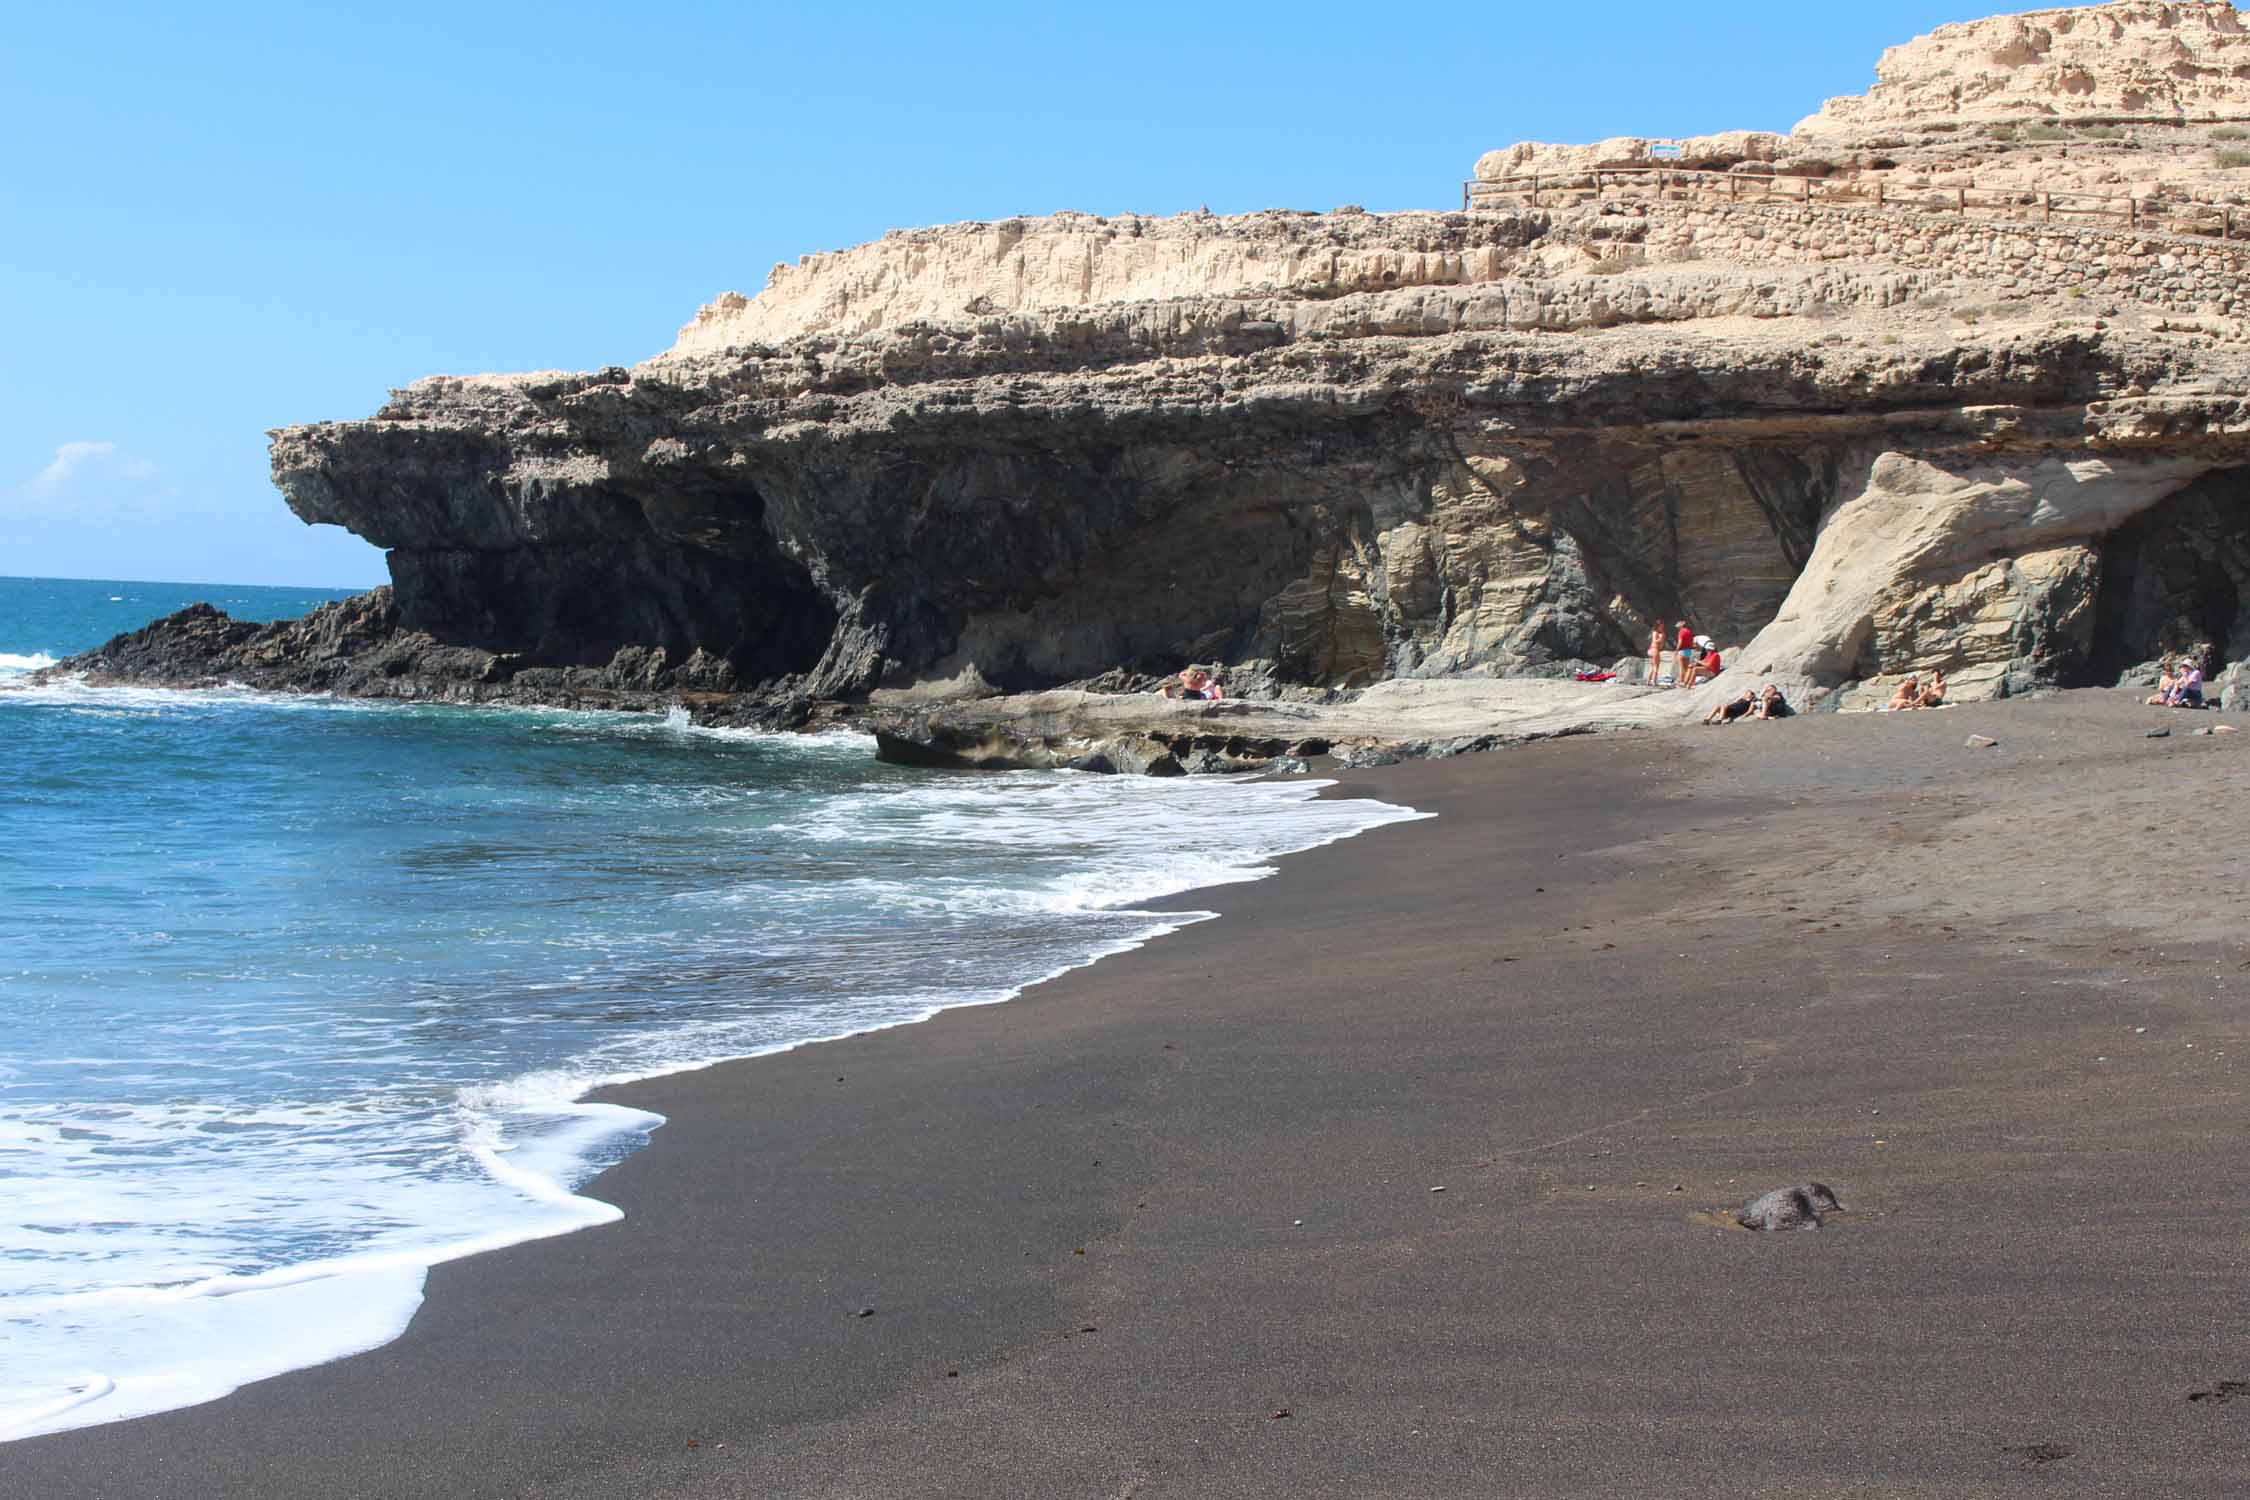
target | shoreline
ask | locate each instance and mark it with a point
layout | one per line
(1284, 817)
(1384, 1016)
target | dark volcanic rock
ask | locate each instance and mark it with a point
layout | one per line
(1800, 1207)
(359, 648)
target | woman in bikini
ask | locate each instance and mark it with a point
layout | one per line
(2164, 681)
(1657, 640)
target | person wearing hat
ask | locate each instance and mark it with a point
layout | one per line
(1193, 682)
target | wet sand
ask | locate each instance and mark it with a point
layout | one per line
(1171, 1226)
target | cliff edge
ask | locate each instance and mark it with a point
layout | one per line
(1857, 406)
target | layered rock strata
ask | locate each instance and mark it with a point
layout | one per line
(1322, 452)
(2129, 60)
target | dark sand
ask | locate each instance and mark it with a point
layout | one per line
(1619, 983)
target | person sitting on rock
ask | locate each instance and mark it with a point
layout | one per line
(1194, 682)
(1933, 691)
(1703, 668)
(1909, 695)
(1733, 709)
(1771, 705)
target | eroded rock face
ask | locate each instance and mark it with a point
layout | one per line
(1325, 451)
(1720, 151)
(1983, 568)
(1029, 502)
(2130, 59)
(2177, 577)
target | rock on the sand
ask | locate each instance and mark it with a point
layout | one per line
(1798, 1207)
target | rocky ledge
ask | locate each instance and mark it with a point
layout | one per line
(1331, 453)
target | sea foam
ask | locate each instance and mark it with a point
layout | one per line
(314, 1000)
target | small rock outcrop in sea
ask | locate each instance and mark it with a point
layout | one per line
(1800, 1207)
(1931, 415)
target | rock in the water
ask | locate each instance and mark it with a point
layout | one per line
(1799, 1207)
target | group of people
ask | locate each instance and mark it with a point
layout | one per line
(2180, 684)
(1192, 682)
(1751, 703)
(1697, 657)
(1919, 692)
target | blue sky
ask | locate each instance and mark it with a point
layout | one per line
(221, 218)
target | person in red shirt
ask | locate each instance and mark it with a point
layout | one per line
(1705, 667)
(1685, 677)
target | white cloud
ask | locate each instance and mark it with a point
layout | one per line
(89, 477)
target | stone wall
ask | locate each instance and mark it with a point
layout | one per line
(2006, 258)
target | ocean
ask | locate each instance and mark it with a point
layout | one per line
(303, 995)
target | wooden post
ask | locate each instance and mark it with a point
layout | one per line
(2226, 223)
(1734, 184)
(1806, 193)
(2048, 201)
(1878, 192)
(1535, 190)
(1961, 201)
(2132, 213)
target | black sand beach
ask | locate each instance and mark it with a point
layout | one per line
(1173, 1226)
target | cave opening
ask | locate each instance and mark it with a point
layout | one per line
(690, 572)
(2175, 577)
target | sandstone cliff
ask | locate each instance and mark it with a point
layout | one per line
(2170, 60)
(1329, 450)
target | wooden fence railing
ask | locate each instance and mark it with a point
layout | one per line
(2167, 213)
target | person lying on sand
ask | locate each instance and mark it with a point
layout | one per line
(1733, 709)
(1909, 695)
(1771, 705)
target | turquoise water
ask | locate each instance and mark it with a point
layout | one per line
(303, 996)
(43, 620)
